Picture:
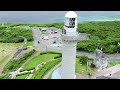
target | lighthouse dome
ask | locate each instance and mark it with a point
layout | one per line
(71, 14)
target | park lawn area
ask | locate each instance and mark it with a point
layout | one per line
(38, 59)
(7, 50)
(23, 76)
(39, 74)
(113, 63)
(15, 64)
(6, 76)
(30, 43)
(79, 68)
(6, 58)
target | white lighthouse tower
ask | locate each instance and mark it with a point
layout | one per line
(69, 42)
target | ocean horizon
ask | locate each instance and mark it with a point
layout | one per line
(55, 16)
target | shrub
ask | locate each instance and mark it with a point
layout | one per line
(44, 69)
(83, 59)
(15, 64)
(107, 32)
(50, 52)
(92, 65)
(58, 56)
(6, 76)
(10, 35)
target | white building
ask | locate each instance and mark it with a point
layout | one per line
(45, 37)
(69, 42)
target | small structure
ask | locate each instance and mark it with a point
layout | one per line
(100, 60)
(44, 29)
(55, 32)
(45, 37)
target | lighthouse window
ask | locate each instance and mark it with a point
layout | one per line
(71, 22)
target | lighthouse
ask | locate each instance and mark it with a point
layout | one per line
(69, 41)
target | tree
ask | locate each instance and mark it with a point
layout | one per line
(83, 60)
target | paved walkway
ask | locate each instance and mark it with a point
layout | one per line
(106, 72)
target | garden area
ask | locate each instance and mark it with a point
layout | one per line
(22, 76)
(30, 43)
(6, 76)
(43, 57)
(15, 64)
(113, 63)
(83, 65)
(39, 74)
(7, 51)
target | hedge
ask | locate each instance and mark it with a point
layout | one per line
(15, 64)
(43, 70)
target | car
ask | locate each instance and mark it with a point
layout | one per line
(38, 42)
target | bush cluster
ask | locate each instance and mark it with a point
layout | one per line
(15, 64)
(43, 70)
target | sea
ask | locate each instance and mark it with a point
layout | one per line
(55, 16)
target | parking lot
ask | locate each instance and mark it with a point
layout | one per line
(47, 38)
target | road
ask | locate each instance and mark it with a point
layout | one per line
(25, 39)
(45, 45)
(106, 72)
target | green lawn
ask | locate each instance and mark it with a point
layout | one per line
(29, 44)
(113, 63)
(82, 68)
(44, 69)
(6, 76)
(8, 53)
(23, 76)
(37, 60)
(15, 64)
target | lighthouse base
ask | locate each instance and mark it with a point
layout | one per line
(57, 74)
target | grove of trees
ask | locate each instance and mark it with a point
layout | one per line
(106, 33)
(9, 35)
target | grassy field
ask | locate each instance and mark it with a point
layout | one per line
(37, 60)
(29, 44)
(23, 76)
(15, 64)
(6, 76)
(7, 50)
(44, 69)
(81, 69)
(113, 63)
